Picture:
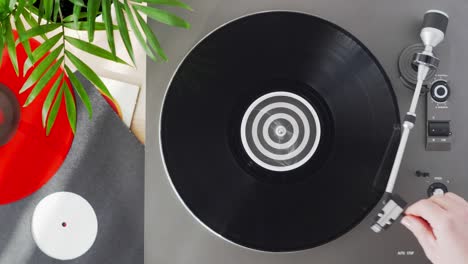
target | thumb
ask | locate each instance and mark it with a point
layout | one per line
(422, 231)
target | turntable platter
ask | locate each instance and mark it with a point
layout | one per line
(277, 131)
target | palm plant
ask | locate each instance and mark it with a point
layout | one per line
(48, 20)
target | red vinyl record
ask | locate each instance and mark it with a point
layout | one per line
(30, 158)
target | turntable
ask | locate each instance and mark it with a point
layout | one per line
(278, 131)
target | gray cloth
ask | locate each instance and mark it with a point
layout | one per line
(105, 165)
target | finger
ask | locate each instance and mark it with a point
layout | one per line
(444, 201)
(422, 231)
(427, 209)
(456, 198)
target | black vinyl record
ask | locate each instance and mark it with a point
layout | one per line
(277, 131)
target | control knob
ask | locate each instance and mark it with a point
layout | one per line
(437, 188)
(440, 91)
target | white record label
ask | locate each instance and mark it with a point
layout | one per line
(64, 225)
(280, 131)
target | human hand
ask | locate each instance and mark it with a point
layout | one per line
(440, 224)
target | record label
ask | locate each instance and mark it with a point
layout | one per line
(283, 139)
(280, 131)
(64, 225)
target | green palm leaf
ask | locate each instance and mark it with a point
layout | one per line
(78, 2)
(30, 20)
(56, 10)
(41, 68)
(40, 51)
(2, 46)
(123, 29)
(93, 49)
(48, 7)
(3, 8)
(50, 98)
(76, 13)
(163, 16)
(80, 91)
(51, 72)
(107, 18)
(93, 9)
(39, 30)
(21, 30)
(70, 106)
(11, 46)
(71, 18)
(54, 111)
(40, 12)
(137, 32)
(151, 37)
(88, 73)
(168, 3)
(84, 25)
(19, 9)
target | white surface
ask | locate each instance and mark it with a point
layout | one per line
(59, 241)
(126, 95)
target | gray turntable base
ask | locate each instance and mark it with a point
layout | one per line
(174, 236)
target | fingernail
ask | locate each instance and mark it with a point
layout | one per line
(406, 222)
